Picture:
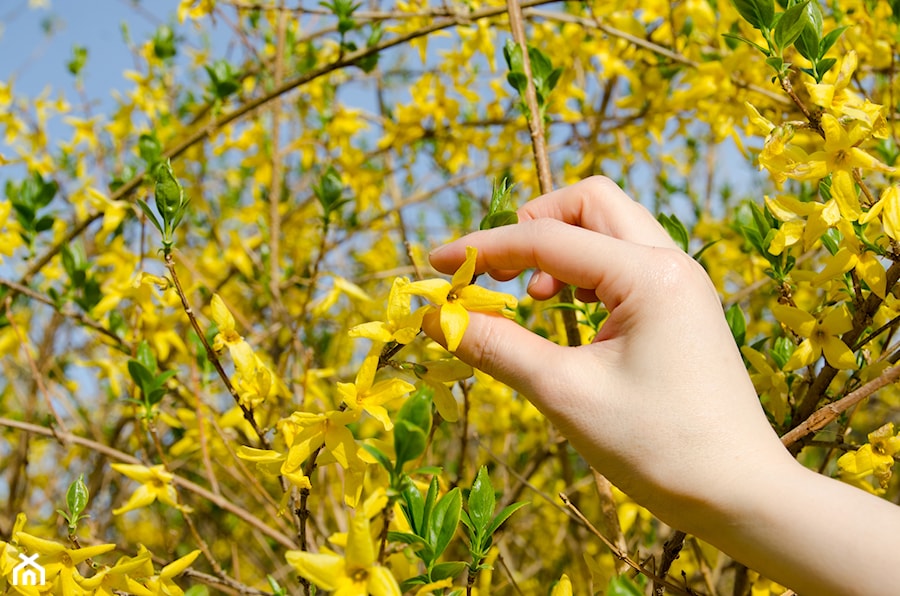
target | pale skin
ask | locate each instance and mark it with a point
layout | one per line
(660, 402)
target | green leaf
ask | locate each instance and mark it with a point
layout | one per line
(499, 219)
(736, 322)
(512, 53)
(481, 501)
(675, 229)
(777, 64)
(77, 497)
(150, 150)
(79, 59)
(414, 508)
(791, 25)
(427, 470)
(782, 350)
(149, 213)
(759, 13)
(142, 377)
(409, 442)
(379, 455)
(504, 515)
(164, 43)
(444, 521)
(823, 66)
(622, 586)
(145, 356)
(449, 569)
(828, 41)
(405, 538)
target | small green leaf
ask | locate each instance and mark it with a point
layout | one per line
(79, 59)
(405, 538)
(444, 521)
(481, 500)
(759, 13)
(447, 570)
(150, 150)
(145, 356)
(164, 43)
(791, 25)
(782, 351)
(504, 515)
(736, 322)
(675, 229)
(499, 219)
(150, 215)
(409, 442)
(414, 505)
(828, 41)
(622, 586)
(77, 497)
(380, 456)
(142, 377)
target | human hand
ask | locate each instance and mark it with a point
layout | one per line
(660, 402)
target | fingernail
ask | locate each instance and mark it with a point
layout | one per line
(535, 277)
(435, 252)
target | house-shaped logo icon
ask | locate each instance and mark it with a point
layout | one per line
(28, 572)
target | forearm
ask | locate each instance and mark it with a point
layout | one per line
(811, 533)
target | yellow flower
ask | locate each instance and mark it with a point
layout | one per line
(156, 484)
(436, 374)
(852, 256)
(563, 587)
(821, 336)
(888, 206)
(769, 383)
(354, 574)
(402, 324)
(874, 459)
(364, 394)
(253, 380)
(834, 96)
(803, 220)
(838, 157)
(304, 433)
(455, 298)
(162, 584)
(60, 563)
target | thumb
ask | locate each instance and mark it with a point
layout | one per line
(504, 350)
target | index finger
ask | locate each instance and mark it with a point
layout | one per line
(597, 203)
(608, 266)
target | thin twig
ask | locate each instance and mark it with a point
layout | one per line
(828, 413)
(211, 354)
(198, 490)
(619, 554)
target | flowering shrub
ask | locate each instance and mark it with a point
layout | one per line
(211, 293)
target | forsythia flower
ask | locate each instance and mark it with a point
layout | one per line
(875, 459)
(364, 394)
(436, 374)
(402, 323)
(821, 336)
(252, 380)
(354, 574)
(156, 484)
(60, 563)
(888, 206)
(454, 299)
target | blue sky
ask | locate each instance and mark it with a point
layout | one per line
(37, 59)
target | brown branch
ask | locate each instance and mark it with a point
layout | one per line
(198, 490)
(618, 554)
(671, 549)
(211, 354)
(828, 413)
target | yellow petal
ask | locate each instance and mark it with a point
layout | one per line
(79, 555)
(454, 321)
(178, 566)
(872, 272)
(563, 587)
(220, 314)
(447, 370)
(134, 471)
(360, 552)
(799, 320)
(321, 569)
(377, 330)
(142, 497)
(484, 300)
(387, 390)
(838, 354)
(804, 355)
(463, 276)
(444, 402)
(434, 291)
(843, 190)
(837, 321)
(840, 263)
